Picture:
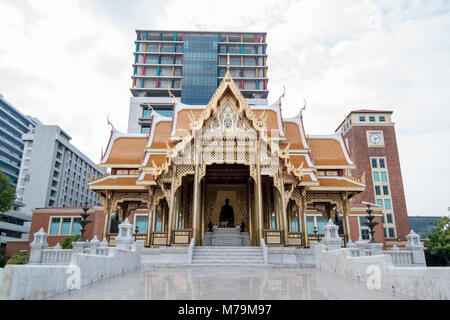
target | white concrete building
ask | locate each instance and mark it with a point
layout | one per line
(53, 172)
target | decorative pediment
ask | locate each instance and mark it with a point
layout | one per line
(228, 120)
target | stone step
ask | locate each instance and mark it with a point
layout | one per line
(210, 256)
(223, 262)
(226, 250)
(228, 265)
(226, 259)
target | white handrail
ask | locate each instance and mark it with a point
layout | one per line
(191, 250)
(262, 243)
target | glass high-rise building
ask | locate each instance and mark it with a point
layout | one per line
(12, 125)
(192, 64)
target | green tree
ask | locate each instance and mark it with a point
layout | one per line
(67, 243)
(437, 250)
(7, 192)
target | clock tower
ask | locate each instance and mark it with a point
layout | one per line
(370, 138)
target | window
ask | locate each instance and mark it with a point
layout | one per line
(374, 163)
(382, 164)
(391, 233)
(145, 129)
(383, 176)
(389, 217)
(380, 202)
(376, 177)
(65, 226)
(385, 190)
(146, 113)
(54, 226)
(158, 223)
(321, 222)
(362, 118)
(377, 190)
(372, 118)
(387, 204)
(365, 235)
(140, 224)
(382, 119)
(294, 225)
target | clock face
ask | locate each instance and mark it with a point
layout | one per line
(375, 138)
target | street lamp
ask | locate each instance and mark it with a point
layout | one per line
(84, 222)
(371, 224)
(315, 233)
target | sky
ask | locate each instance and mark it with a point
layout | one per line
(69, 63)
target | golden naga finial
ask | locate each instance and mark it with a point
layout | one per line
(363, 178)
(101, 154)
(173, 97)
(109, 122)
(282, 96)
(303, 109)
(91, 176)
(150, 108)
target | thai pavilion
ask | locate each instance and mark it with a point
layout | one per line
(180, 173)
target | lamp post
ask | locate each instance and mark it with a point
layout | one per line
(315, 233)
(371, 224)
(84, 222)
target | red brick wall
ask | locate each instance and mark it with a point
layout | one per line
(41, 219)
(357, 140)
(354, 227)
(14, 247)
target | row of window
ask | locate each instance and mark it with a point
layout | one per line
(378, 190)
(372, 118)
(64, 226)
(384, 203)
(378, 162)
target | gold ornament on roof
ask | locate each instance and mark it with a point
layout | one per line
(109, 122)
(303, 109)
(173, 97)
(282, 96)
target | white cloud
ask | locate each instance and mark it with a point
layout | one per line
(69, 63)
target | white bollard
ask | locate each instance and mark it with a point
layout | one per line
(416, 248)
(39, 243)
(125, 237)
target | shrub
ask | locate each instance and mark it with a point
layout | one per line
(3, 257)
(20, 258)
(67, 243)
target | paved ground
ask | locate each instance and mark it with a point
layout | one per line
(226, 284)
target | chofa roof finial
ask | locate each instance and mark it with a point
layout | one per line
(303, 109)
(109, 123)
(282, 96)
(173, 97)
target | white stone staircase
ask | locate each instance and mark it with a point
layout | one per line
(228, 256)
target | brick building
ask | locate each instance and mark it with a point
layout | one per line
(370, 137)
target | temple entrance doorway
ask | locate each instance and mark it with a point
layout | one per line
(226, 205)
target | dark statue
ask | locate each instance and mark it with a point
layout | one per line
(210, 227)
(115, 221)
(227, 214)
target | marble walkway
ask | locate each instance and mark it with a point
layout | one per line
(229, 284)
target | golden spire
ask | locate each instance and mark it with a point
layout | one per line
(228, 61)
